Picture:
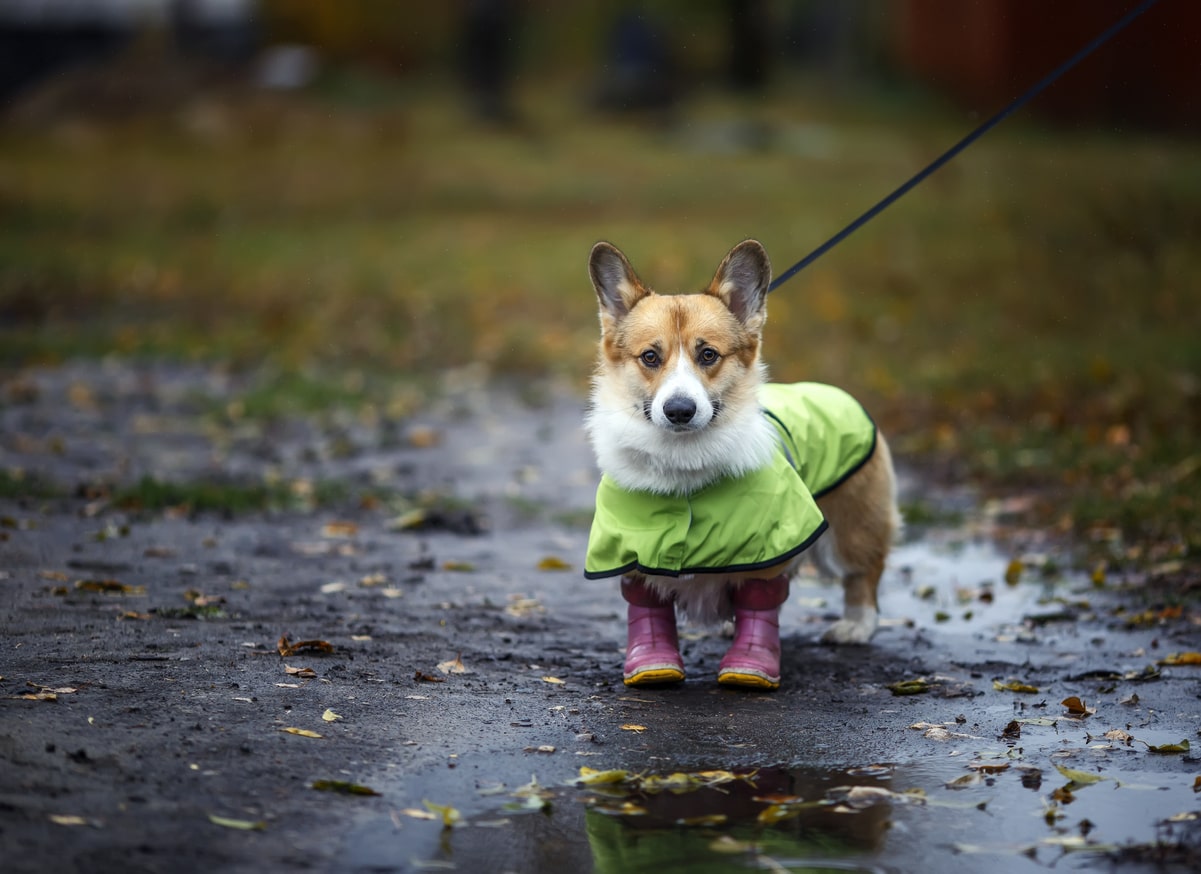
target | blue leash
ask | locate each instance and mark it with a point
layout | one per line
(950, 153)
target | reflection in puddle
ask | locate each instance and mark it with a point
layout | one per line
(714, 821)
(703, 821)
(1002, 818)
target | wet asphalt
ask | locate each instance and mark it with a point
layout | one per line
(145, 706)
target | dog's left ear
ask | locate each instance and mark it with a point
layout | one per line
(742, 281)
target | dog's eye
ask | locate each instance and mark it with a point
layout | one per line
(650, 358)
(709, 355)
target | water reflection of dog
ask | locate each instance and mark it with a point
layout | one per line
(697, 830)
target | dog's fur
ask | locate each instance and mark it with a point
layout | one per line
(675, 407)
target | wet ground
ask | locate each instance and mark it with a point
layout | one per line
(148, 721)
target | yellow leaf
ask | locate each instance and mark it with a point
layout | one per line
(1014, 686)
(1013, 572)
(909, 687)
(450, 816)
(593, 777)
(412, 519)
(553, 563)
(1181, 658)
(1182, 747)
(704, 819)
(243, 824)
(1082, 778)
(65, 819)
(555, 681)
(330, 716)
(303, 732)
(775, 813)
(637, 729)
(460, 566)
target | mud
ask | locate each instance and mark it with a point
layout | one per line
(475, 672)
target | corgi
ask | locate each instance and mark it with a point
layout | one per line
(716, 483)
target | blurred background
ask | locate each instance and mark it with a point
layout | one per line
(348, 197)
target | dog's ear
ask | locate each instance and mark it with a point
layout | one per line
(617, 286)
(742, 281)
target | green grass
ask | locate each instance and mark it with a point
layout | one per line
(1029, 311)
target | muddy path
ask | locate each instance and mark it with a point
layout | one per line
(145, 708)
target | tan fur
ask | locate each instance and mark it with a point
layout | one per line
(863, 517)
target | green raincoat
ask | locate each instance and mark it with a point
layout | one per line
(746, 523)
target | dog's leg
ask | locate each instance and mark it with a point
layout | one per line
(753, 660)
(863, 522)
(860, 615)
(653, 647)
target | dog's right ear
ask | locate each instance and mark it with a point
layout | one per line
(617, 286)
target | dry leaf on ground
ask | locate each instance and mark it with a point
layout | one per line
(303, 732)
(287, 648)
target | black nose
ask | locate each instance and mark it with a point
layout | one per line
(679, 410)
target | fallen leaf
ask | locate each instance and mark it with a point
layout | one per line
(1197, 784)
(36, 696)
(339, 529)
(303, 732)
(333, 588)
(450, 816)
(67, 819)
(1012, 731)
(555, 681)
(637, 729)
(989, 767)
(521, 606)
(775, 813)
(1015, 686)
(545, 748)
(330, 716)
(1013, 572)
(1080, 778)
(454, 666)
(593, 777)
(376, 579)
(112, 587)
(909, 687)
(553, 563)
(1182, 747)
(343, 787)
(57, 576)
(1117, 734)
(459, 566)
(415, 813)
(424, 437)
(1077, 707)
(242, 824)
(703, 819)
(427, 678)
(303, 673)
(286, 648)
(1181, 658)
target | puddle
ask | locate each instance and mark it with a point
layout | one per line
(992, 813)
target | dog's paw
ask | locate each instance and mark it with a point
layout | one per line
(857, 627)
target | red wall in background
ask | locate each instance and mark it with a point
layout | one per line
(987, 52)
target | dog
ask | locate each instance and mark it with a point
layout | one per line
(715, 483)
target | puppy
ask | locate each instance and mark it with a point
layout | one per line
(714, 482)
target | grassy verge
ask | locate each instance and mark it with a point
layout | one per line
(1027, 318)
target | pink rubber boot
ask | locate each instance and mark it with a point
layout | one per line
(753, 660)
(653, 649)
